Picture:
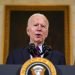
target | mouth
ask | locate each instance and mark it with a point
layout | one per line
(38, 35)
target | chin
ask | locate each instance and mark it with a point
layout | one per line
(38, 41)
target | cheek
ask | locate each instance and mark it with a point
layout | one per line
(32, 29)
(45, 34)
(31, 32)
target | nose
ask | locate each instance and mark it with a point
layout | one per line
(39, 27)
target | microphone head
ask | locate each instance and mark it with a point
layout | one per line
(31, 49)
(46, 50)
(31, 45)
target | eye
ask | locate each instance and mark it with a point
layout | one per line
(35, 24)
(43, 26)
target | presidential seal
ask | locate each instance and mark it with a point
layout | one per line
(38, 66)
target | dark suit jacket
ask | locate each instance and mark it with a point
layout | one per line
(20, 56)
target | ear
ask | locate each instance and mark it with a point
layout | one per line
(27, 30)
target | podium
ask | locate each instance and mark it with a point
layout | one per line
(15, 69)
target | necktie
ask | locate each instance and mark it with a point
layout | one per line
(37, 51)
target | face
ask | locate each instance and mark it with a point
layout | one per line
(37, 29)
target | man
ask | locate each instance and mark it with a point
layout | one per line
(37, 30)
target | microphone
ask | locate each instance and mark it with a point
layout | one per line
(31, 49)
(46, 50)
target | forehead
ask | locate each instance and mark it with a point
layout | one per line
(37, 18)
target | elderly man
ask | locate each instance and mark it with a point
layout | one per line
(37, 30)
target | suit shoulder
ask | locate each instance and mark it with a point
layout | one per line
(18, 51)
(57, 53)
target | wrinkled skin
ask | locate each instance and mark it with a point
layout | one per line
(37, 29)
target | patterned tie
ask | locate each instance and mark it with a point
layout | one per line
(37, 51)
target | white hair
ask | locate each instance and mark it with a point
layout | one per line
(37, 14)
